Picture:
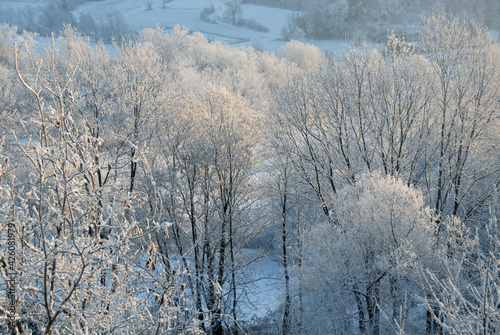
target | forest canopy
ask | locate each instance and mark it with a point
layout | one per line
(134, 178)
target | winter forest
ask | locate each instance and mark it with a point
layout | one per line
(140, 181)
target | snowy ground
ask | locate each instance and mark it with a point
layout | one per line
(186, 13)
(265, 285)
(19, 3)
(261, 283)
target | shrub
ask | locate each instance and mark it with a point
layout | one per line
(252, 24)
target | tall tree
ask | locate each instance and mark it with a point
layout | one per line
(138, 73)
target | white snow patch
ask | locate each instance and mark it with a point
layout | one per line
(265, 291)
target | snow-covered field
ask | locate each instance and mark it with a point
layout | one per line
(19, 3)
(187, 13)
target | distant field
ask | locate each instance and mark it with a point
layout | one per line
(187, 13)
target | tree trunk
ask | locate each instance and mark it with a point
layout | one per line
(396, 302)
(217, 328)
(428, 320)
(361, 313)
(288, 302)
(196, 248)
(133, 164)
(299, 246)
(372, 307)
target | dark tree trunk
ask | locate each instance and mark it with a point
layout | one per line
(372, 307)
(288, 302)
(361, 313)
(396, 301)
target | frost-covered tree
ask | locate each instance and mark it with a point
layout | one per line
(112, 26)
(398, 98)
(83, 260)
(143, 173)
(465, 289)
(232, 10)
(326, 19)
(139, 79)
(464, 74)
(382, 227)
(8, 110)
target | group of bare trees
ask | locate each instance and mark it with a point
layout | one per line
(135, 176)
(426, 115)
(327, 19)
(128, 180)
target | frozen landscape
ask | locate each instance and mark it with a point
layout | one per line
(248, 167)
(186, 13)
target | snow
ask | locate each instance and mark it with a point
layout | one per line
(19, 3)
(495, 35)
(186, 13)
(265, 291)
(262, 291)
(272, 18)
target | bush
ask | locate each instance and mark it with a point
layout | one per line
(207, 14)
(252, 24)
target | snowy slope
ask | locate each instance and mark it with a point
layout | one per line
(186, 13)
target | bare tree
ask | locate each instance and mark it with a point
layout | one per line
(233, 10)
(138, 84)
(465, 74)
